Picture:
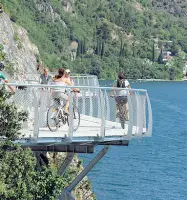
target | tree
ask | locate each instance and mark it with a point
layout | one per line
(19, 177)
(174, 48)
(153, 52)
(10, 118)
(19, 180)
(160, 57)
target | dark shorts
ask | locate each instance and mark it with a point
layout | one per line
(121, 99)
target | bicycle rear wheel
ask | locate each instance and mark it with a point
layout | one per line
(76, 118)
(122, 116)
(52, 118)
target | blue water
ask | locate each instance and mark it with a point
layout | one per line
(151, 168)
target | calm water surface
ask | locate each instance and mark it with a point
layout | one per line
(152, 168)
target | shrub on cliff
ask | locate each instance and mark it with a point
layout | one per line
(19, 180)
(10, 118)
(19, 177)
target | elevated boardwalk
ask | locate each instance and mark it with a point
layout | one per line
(98, 122)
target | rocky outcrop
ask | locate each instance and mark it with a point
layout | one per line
(20, 53)
(83, 190)
(67, 5)
(45, 7)
(175, 7)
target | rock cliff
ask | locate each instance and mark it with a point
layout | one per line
(175, 7)
(20, 59)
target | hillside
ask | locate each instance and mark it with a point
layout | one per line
(103, 37)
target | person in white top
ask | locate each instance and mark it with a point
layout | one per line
(121, 82)
(61, 93)
(67, 75)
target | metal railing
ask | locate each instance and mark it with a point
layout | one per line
(78, 79)
(98, 120)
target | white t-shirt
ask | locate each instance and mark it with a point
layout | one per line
(122, 92)
(60, 83)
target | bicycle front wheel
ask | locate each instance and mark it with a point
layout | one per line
(52, 118)
(76, 118)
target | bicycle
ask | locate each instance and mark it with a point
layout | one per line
(56, 116)
(121, 101)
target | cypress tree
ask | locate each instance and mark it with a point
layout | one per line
(103, 49)
(123, 50)
(153, 52)
(98, 49)
(160, 58)
(82, 48)
(121, 47)
(78, 49)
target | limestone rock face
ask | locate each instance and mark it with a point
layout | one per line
(20, 52)
(175, 7)
(45, 7)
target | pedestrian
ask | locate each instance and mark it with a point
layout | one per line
(45, 78)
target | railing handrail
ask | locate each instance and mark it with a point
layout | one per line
(61, 86)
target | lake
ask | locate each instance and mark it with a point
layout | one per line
(151, 168)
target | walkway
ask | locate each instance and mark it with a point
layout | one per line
(98, 120)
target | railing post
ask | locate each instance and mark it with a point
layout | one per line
(140, 118)
(83, 102)
(103, 120)
(99, 104)
(150, 123)
(137, 113)
(107, 106)
(130, 124)
(70, 118)
(36, 115)
(91, 104)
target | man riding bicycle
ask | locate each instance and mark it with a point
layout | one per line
(3, 78)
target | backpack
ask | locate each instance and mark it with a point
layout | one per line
(121, 83)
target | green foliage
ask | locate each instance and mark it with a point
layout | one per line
(108, 29)
(16, 172)
(176, 68)
(2, 54)
(19, 179)
(48, 184)
(10, 118)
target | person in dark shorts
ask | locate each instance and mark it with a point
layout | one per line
(121, 95)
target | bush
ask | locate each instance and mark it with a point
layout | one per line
(10, 118)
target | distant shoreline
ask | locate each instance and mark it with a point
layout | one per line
(156, 80)
(150, 80)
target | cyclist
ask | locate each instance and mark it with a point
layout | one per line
(3, 78)
(121, 95)
(61, 92)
